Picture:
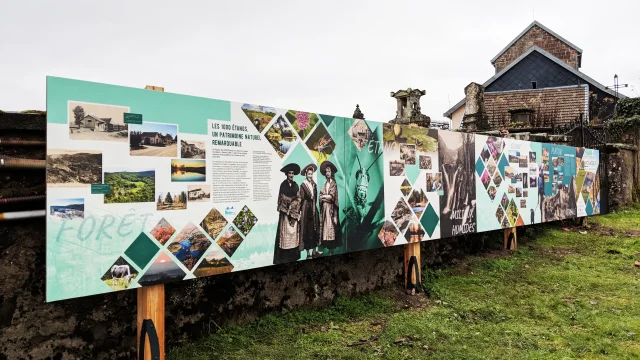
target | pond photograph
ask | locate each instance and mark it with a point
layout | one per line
(188, 170)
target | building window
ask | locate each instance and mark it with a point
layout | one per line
(521, 117)
(534, 84)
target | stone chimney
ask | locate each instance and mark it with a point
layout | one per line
(408, 108)
(474, 118)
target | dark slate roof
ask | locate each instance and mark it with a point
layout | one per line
(535, 49)
(535, 23)
(151, 134)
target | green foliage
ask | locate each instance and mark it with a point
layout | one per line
(626, 108)
(130, 187)
(39, 112)
(2, 112)
(563, 295)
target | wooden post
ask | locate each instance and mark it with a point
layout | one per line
(412, 249)
(151, 303)
(513, 245)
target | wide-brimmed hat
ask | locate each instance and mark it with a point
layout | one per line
(291, 167)
(311, 166)
(323, 167)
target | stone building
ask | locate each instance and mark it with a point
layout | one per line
(538, 84)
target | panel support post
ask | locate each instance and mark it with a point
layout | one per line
(510, 239)
(151, 313)
(412, 271)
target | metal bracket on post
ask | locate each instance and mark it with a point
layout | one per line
(148, 329)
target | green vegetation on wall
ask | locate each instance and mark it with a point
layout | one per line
(626, 108)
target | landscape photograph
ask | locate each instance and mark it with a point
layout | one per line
(214, 263)
(396, 134)
(130, 186)
(188, 170)
(189, 245)
(213, 223)
(120, 275)
(260, 116)
(97, 122)
(163, 231)
(199, 193)
(73, 168)
(163, 270)
(174, 198)
(153, 139)
(281, 136)
(230, 240)
(67, 209)
(396, 168)
(405, 188)
(192, 149)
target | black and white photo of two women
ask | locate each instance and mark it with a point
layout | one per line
(308, 218)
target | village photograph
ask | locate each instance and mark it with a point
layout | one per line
(97, 122)
(129, 186)
(153, 139)
(214, 263)
(67, 209)
(199, 193)
(172, 199)
(192, 149)
(73, 168)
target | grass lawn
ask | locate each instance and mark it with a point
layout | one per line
(564, 295)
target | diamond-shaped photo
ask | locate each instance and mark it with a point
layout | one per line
(414, 232)
(401, 214)
(230, 240)
(492, 191)
(302, 122)
(497, 179)
(189, 245)
(499, 213)
(495, 147)
(163, 270)
(405, 188)
(281, 136)
(259, 116)
(429, 220)
(512, 212)
(245, 220)
(417, 201)
(120, 275)
(491, 167)
(142, 250)
(519, 221)
(505, 223)
(320, 143)
(504, 202)
(213, 223)
(485, 154)
(485, 179)
(388, 233)
(360, 133)
(163, 231)
(214, 263)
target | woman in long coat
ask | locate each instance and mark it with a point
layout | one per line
(288, 232)
(309, 218)
(330, 231)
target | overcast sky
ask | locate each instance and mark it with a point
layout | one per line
(323, 57)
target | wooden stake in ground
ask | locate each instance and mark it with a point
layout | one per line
(510, 243)
(151, 305)
(412, 250)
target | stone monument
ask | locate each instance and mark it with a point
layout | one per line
(408, 108)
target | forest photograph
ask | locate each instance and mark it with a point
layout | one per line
(130, 186)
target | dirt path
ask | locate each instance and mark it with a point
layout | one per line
(168, 151)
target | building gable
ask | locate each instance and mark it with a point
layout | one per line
(535, 67)
(539, 35)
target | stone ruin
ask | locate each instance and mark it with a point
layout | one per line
(408, 108)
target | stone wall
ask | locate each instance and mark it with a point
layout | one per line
(104, 326)
(622, 174)
(541, 38)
